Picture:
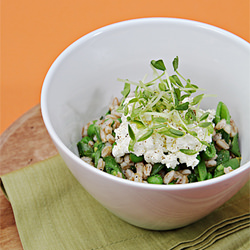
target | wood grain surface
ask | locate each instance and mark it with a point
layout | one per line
(25, 142)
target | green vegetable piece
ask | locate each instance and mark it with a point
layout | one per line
(219, 171)
(209, 153)
(209, 176)
(114, 172)
(217, 114)
(111, 164)
(155, 179)
(97, 133)
(91, 130)
(235, 149)
(134, 158)
(192, 178)
(98, 152)
(84, 149)
(157, 167)
(202, 170)
(222, 156)
(86, 139)
(234, 163)
(225, 135)
(222, 113)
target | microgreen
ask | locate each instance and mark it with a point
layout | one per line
(131, 133)
(163, 105)
(204, 116)
(158, 64)
(188, 151)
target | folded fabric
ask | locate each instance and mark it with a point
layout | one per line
(53, 211)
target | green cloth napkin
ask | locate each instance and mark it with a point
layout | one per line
(53, 211)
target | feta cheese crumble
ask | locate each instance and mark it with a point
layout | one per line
(160, 148)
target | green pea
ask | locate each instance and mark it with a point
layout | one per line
(134, 158)
(155, 179)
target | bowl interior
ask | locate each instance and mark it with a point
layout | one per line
(81, 83)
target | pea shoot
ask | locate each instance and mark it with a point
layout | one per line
(161, 100)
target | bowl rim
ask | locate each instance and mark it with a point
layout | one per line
(45, 114)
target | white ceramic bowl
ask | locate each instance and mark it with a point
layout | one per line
(82, 81)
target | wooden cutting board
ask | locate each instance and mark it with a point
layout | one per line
(25, 142)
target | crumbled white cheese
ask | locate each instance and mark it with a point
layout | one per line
(163, 149)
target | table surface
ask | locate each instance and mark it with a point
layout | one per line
(25, 142)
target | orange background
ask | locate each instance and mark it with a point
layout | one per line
(35, 32)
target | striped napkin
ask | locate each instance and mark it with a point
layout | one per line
(53, 211)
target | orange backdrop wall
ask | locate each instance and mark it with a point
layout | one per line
(35, 32)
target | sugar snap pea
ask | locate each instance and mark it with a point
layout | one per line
(112, 165)
(233, 163)
(219, 171)
(209, 153)
(222, 156)
(192, 178)
(235, 149)
(202, 170)
(222, 113)
(98, 147)
(93, 130)
(84, 149)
